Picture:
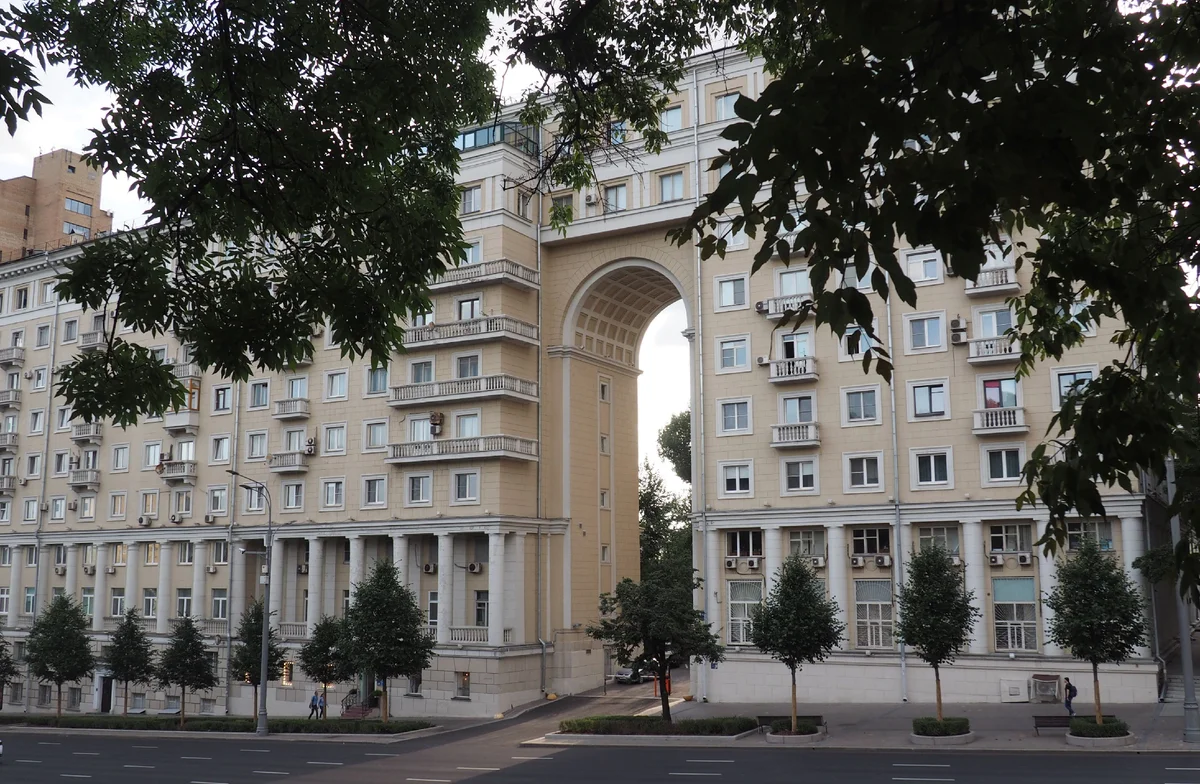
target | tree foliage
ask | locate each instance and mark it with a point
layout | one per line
(130, 658)
(58, 650)
(937, 612)
(9, 672)
(664, 520)
(321, 658)
(675, 444)
(185, 663)
(246, 664)
(796, 624)
(1099, 614)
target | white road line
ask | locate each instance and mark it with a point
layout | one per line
(208, 782)
(534, 758)
(257, 751)
(460, 767)
(435, 781)
(145, 747)
(48, 743)
(730, 761)
(85, 753)
(30, 762)
(325, 763)
(196, 758)
(74, 775)
(919, 765)
(894, 778)
(379, 754)
(273, 772)
(693, 774)
(1182, 768)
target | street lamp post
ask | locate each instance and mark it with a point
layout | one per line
(253, 485)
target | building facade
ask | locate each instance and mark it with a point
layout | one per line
(495, 463)
(58, 206)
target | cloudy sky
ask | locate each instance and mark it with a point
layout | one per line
(67, 123)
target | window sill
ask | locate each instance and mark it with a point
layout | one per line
(422, 696)
(461, 699)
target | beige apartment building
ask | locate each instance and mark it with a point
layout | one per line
(495, 463)
(56, 207)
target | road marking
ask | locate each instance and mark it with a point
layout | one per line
(379, 754)
(534, 758)
(326, 763)
(196, 758)
(919, 765)
(208, 782)
(916, 779)
(709, 760)
(86, 753)
(1183, 768)
(273, 772)
(141, 767)
(145, 747)
(257, 751)
(74, 775)
(693, 774)
(487, 769)
(31, 762)
(435, 781)
(48, 743)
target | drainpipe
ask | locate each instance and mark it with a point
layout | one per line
(233, 452)
(538, 600)
(898, 561)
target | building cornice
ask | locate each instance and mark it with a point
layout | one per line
(570, 352)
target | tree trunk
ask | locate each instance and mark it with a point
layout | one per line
(125, 701)
(324, 699)
(664, 692)
(383, 702)
(793, 669)
(254, 708)
(59, 703)
(182, 706)
(937, 682)
(1096, 692)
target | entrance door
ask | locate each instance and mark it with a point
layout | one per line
(106, 689)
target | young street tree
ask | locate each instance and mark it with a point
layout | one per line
(937, 612)
(796, 624)
(664, 520)
(185, 663)
(1098, 611)
(321, 659)
(653, 626)
(246, 662)
(9, 672)
(385, 631)
(58, 649)
(130, 658)
(675, 444)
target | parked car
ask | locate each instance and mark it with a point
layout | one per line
(629, 675)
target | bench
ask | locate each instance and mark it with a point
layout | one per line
(767, 721)
(1057, 721)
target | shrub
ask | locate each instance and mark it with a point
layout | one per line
(784, 727)
(929, 726)
(1086, 727)
(654, 725)
(216, 724)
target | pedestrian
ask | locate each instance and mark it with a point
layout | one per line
(314, 705)
(321, 705)
(1070, 691)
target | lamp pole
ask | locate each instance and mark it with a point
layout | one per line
(253, 485)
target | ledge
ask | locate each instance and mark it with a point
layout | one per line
(797, 740)
(942, 740)
(1101, 743)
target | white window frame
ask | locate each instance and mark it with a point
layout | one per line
(739, 627)
(37, 421)
(979, 311)
(984, 466)
(112, 459)
(452, 423)
(847, 488)
(325, 428)
(843, 356)
(721, 491)
(784, 492)
(798, 269)
(943, 342)
(844, 395)
(914, 474)
(251, 458)
(143, 511)
(408, 477)
(454, 474)
(718, 280)
(326, 480)
(124, 505)
(980, 380)
(228, 397)
(720, 339)
(366, 427)
(387, 380)
(420, 361)
(212, 449)
(296, 508)
(720, 101)
(910, 397)
(363, 502)
(746, 431)
(250, 394)
(909, 256)
(1055, 392)
(38, 382)
(670, 176)
(325, 396)
(208, 500)
(75, 339)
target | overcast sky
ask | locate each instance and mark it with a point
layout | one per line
(67, 123)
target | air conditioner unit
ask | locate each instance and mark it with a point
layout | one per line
(73, 505)
(1025, 559)
(210, 569)
(958, 338)
(89, 569)
(318, 330)
(174, 519)
(730, 563)
(142, 521)
(164, 457)
(763, 360)
(311, 442)
(996, 560)
(264, 570)
(818, 562)
(310, 450)
(23, 481)
(45, 507)
(589, 198)
(857, 561)
(28, 374)
(958, 325)
(752, 563)
(883, 560)
(435, 430)
(475, 567)
(954, 559)
(111, 570)
(761, 306)
(429, 568)
(302, 569)
(60, 570)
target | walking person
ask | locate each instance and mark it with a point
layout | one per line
(321, 706)
(1070, 691)
(314, 705)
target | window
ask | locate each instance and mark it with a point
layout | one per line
(1011, 538)
(928, 399)
(605, 448)
(186, 553)
(670, 187)
(431, 608)
(4, 597)
(60, 555)
(414, 684)
(810, 542)
(82, 207)
(221, 400)
(744, 597)
(256, 499)
(218, 500)
(150, 553)
(463, 685)
(744, 544)
(75, 228)
(615, 198)
(256, 446)
(5, 512)
(39, 379)
(731, 293)
(1070, 382)
(735, 417)
(420, 490)
(120, 458)
(116, 505)
(466, 367)
(30, 510)
(30, 600)
(335, 439)
(333, 493)
(33, 465)
(470, 308)
(374, 491)
(420, 429)
(481, 608)
(799, 476)
(1004, 465)
(1014, 604)
(795, 345)
(37, 420)
(724, 107)
(736, 479)
(933, 468)
(1099, 531)
(42, 336)
(472, 200)
(31, 554)
(466, 425)
(852, 280)
(794, 283)
(183, 602)
(925, 333)
(616, 132)
(220, 603)
(855, 342)
(945, 537)
(220, 449)
(377, 381)
(70, 331)
(863, 472)
(734, 353)
(994, 323)
(58, 508)
(423, 319)
(605, 392)
(293, 495)
(564, 204)
(671, 119)
(871, 541)
(151, 451)
(466, 487)
(260, 394)
(862, 406)
(335, 385)
(60, 463)
(924, 266)
(375, 435)
(421, 372)
(17, 339)
(293, 440)
(150, 602)
(1000, 393)
(117, 602)
(297, 387)
(873, 613)
(6, 553)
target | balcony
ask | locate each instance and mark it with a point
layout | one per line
(486, 328)
(997, 421)
(9, 441)
(91, 341)
(789, 371)
(290, 630)
(8, 484)
(13, 356)
(474, 634)
(776, 307)
(84, 479)
(994, 282)
(498, 271)
(464, 389)
(87, 432)
(10, 398)
(987, 351)
(179, 471)
(207, 626)
(182, 422)
(186, 371)
(288, 463)
(292, 408)
(474, 448)
(795, 435)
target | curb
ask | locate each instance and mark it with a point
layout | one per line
(942, 740)
(1101, 743)
(796, 740)
(637, 741)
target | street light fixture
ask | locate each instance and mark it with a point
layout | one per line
(253, 485)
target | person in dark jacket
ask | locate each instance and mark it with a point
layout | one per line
(1070, 691)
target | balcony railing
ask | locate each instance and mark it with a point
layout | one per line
(290, 630)
(486, 327)
(987, 350)
(91, 341)
(10, 397)
(500, 269)
(87, 431)
(292, 408)
(479, 386)
(463, 449)
(207, 626)
(797, 369)
(8, 484)
(185, 421)
(776, 307)
(84, 477)
(1000, 420)
(185, 370)
(288, 462)
(997, 280)
(9, 441)
(14, 355)
(474, 634)
(178, 470)
(800, 434)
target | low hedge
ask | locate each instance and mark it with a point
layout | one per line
(1086, 727)
(784, 727)
(654, 725)
(213, 724)
(929, 726)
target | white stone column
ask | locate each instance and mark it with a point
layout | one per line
(100, 601)
(975, 560)
(316, 579)
(835, 574)
(133, 562)
(237, 566)
(15, 599)
(1048, 578)
(278, 570)
(496, 564)
(166, 560)
(516, 608)
(714, 582)
(906, 543)
(1133, 546)
(72, 587)
(445, 578)
(358, 552)
(773, 555)
(199, 580)
(45, 567)
(400, 557)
